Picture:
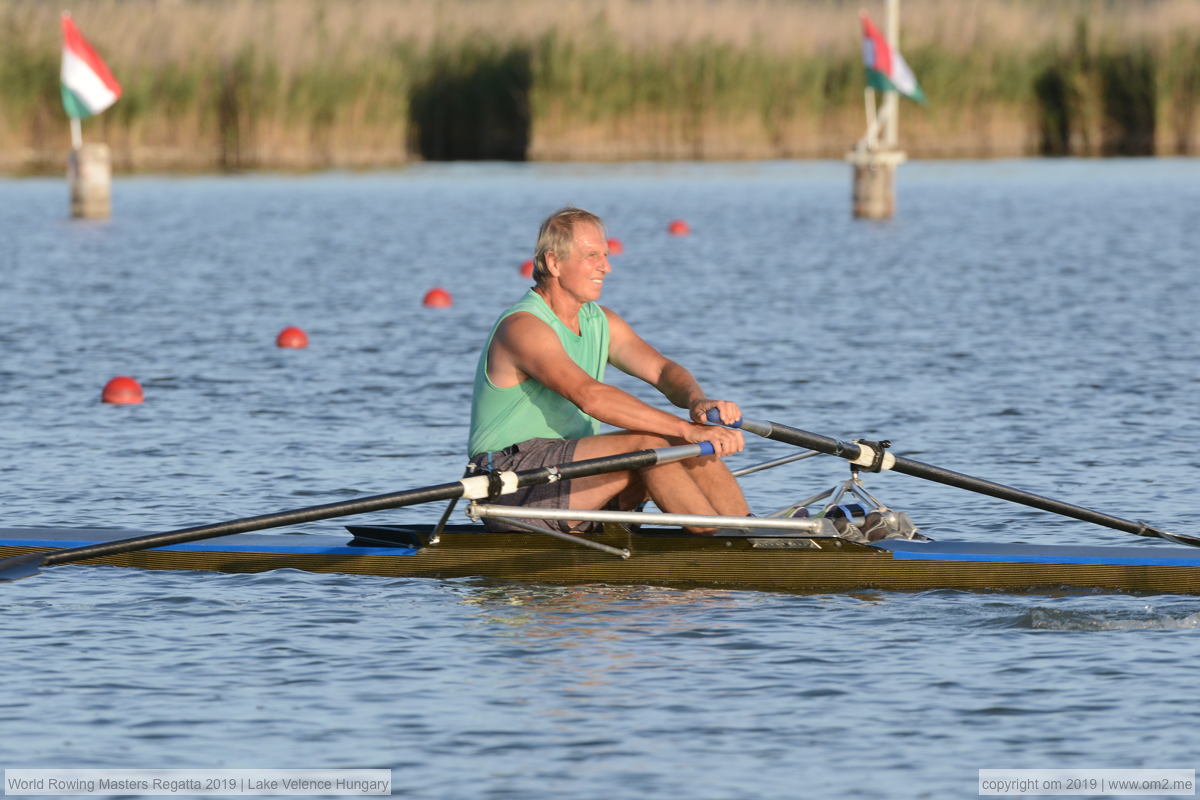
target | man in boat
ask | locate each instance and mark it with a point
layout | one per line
(539, 395)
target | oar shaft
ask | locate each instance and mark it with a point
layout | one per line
(929, 472)
(474, 487)
(857, 453)
(813, 441)
(362, 505)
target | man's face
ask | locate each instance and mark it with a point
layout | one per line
(583, 271)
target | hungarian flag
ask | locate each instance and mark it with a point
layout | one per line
(887, 70)
(87, 86)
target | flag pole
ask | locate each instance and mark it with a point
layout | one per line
(891, 135)
(76, 133)
(871, 139)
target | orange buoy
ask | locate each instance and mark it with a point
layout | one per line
(678, 228)
(291, 337)
(615, 248)
(527, 269)
(122, 391)
(437, 297)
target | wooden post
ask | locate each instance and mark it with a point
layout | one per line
(89, 173)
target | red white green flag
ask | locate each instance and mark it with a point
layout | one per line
(887, 71)
(87, 86)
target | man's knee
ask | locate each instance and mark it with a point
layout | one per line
(652, 441)
(629, 441)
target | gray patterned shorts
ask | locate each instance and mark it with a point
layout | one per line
(531, 454)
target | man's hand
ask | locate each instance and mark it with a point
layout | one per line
(725, 441)
(729, 411)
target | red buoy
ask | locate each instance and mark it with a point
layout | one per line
(437, 297)
(678, 228)
(122, 390)
(615, 248)
(291, 337)
(527, 269)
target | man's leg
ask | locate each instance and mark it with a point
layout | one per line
(718, 485)
(697, 486)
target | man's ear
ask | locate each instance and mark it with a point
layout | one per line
(552, 263)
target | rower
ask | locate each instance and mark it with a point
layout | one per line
(539, 395)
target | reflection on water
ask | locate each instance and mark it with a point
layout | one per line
(591, 633)
(557, 605)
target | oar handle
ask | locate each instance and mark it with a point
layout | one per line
(714, 417)
(474, 487)
(813, 441)
(867, 454)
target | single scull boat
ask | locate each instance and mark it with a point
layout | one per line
(668, 558)
(840, 540)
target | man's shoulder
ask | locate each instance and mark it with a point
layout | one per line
(519, 323)
(615, 321)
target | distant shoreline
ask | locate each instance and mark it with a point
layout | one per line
(599, 168)
(304, 85)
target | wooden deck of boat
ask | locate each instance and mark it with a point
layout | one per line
(669, 558)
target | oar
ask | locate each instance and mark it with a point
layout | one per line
(872, 455)
(474, 488)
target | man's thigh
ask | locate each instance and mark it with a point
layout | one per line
(599, 491)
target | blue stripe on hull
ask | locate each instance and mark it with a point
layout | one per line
(1147, 556)
(1151, 554)
(213, 547)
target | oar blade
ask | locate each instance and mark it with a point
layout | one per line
(18, 567)
(1178, 538)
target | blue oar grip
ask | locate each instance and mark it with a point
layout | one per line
(714, 417)
(707, 449)
(751, 425)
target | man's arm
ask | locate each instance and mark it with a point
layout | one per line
(633, 355)
(525, 347)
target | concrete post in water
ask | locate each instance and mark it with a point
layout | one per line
(89, 173)
(875, 182)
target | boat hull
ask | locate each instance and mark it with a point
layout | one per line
(668, 558)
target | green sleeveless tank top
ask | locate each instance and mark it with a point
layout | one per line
(502, 417)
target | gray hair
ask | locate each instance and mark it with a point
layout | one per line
(557, 234)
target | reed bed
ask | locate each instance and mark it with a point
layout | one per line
(309, 84)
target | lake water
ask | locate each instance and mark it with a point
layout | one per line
(1029, 322)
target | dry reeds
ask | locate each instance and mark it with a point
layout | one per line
(238, 84)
